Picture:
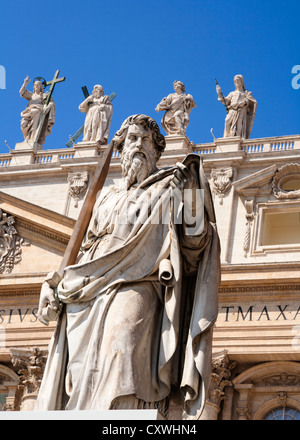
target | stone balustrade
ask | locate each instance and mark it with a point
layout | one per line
(89, 150)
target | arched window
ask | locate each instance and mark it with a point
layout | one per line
(3, 401)
(283, 413)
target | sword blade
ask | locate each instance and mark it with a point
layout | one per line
(84, 217)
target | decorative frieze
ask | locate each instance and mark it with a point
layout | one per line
(280, 379)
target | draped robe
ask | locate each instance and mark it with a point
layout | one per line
(178, 107)
(125, 339)
(98, 119)
(32, 114)
(239, 120)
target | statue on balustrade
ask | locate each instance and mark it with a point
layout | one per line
(241, 109)
(37, 121)
(178, 107)
(98, 109)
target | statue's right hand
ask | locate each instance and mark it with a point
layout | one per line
(27, 80)
(218, 89)
(47, 301)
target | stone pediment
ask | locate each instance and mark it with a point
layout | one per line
(251, 185)
(32, 241)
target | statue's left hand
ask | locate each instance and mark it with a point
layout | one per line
(185, 178)
(47, 303)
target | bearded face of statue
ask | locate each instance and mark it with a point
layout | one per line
(98, 91)
(138, 157)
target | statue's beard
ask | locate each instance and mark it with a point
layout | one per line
(136, 167)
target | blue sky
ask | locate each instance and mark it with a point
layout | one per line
(137, 49)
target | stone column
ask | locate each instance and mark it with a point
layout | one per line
(31, 363)
(11, 401)
(242, 408)
(220, 378)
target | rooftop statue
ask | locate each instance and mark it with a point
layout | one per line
(178, 107)
(241, 109)
(32, 114)
(98, 109)
(136, 310)
(39, 116)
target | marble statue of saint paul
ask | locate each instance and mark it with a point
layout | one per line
(135, 328)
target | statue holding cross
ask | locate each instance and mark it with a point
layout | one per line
(39, 116)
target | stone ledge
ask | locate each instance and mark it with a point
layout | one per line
(124, 414)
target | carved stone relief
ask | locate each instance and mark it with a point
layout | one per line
(249, 219)
(286, 182)
(77, 185)
(221, 182)
(31, 364)
(220, 378)
(10, 243)
(281, 379)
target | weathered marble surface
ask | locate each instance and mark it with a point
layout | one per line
(177, 107)
(119, 337)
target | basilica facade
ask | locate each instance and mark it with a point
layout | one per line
(255, 185)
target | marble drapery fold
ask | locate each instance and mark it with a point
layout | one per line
(122, 333)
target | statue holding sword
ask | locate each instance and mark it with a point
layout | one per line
(136, 300)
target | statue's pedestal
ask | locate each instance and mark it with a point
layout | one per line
(25, 145)
(22, 157)
(228, 144)
(177, 142)
(87, 149)
(24, 152)
(124, 414)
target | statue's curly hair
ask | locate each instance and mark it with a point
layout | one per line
(146, 122)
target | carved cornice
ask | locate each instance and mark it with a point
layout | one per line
(254, 291)
(20, 292)
(258, 289)
(51, 235)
